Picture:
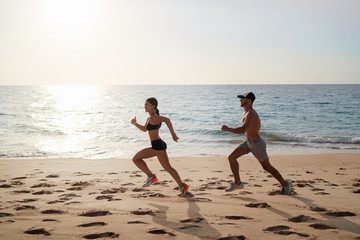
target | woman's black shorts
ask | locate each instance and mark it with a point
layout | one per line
(158, 144)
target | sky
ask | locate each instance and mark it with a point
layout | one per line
(120, 42)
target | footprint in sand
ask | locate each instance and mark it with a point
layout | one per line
(137, 222)
(278, 192)
(102, 235)
(114, 190)
(189, 227)
(79, 174)
(25, 207)
(143, 212)
(301, 218)
(21, 191)
(27, 200)
(192, 220)
(321, 226)
(140, 190)
(42, 185)
(160, 232)
(52, 176)
(73, 202)
(5, 186)
(318, 209)
(356, 183)
(341, 214)
(241, 237)
(37, 231)
(81, 184)
(94, 213)
(19, 178)
(75, 189)
(257, 205)
(277, 228)
(2, 214)
(52, 211)
(50, 220)
(135, 175)
(42, 192)
(304, 183)
(108, 197)
(284, 230)
(151, 194)
(322, 193)
(16, 183)
(92, 224)
(69, 195)
(238, 218)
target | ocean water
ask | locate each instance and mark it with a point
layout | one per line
(94, 121)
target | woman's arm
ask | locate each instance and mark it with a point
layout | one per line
(169, 125)
(141, 127)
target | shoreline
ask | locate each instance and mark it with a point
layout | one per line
(190, 156)
(100, 198)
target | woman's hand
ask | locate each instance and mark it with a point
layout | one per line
(133, 121)
(174, 137)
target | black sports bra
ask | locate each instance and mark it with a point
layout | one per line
(152, 127)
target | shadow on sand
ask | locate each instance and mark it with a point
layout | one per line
(195, 225)
(338, 222)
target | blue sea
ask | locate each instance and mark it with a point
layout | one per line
(93, 122)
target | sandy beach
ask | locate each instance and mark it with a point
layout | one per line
(100, 199)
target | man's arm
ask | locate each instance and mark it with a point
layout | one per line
(239, 130)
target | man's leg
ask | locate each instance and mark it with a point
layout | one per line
(234, 165)
(273, 171)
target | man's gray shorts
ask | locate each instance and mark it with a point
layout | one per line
(257, 147)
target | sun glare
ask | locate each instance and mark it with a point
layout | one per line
(71, 113)
(69, 15)
(74, 98)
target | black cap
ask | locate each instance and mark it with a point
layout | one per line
(249, 95)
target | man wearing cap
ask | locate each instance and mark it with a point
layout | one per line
(254, 143)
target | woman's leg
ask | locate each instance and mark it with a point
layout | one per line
(164, 161)
(140, 163)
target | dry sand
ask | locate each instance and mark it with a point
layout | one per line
(103, 199)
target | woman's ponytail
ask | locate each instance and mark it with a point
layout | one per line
(154, 102)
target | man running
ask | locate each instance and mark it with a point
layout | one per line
(254, 143)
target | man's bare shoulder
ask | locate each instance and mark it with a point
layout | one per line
(251, 114)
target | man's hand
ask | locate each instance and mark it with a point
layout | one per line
(224, 128)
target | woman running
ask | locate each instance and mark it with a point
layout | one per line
(158, 146)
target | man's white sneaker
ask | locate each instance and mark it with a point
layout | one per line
(234, 186)
(287, 188)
